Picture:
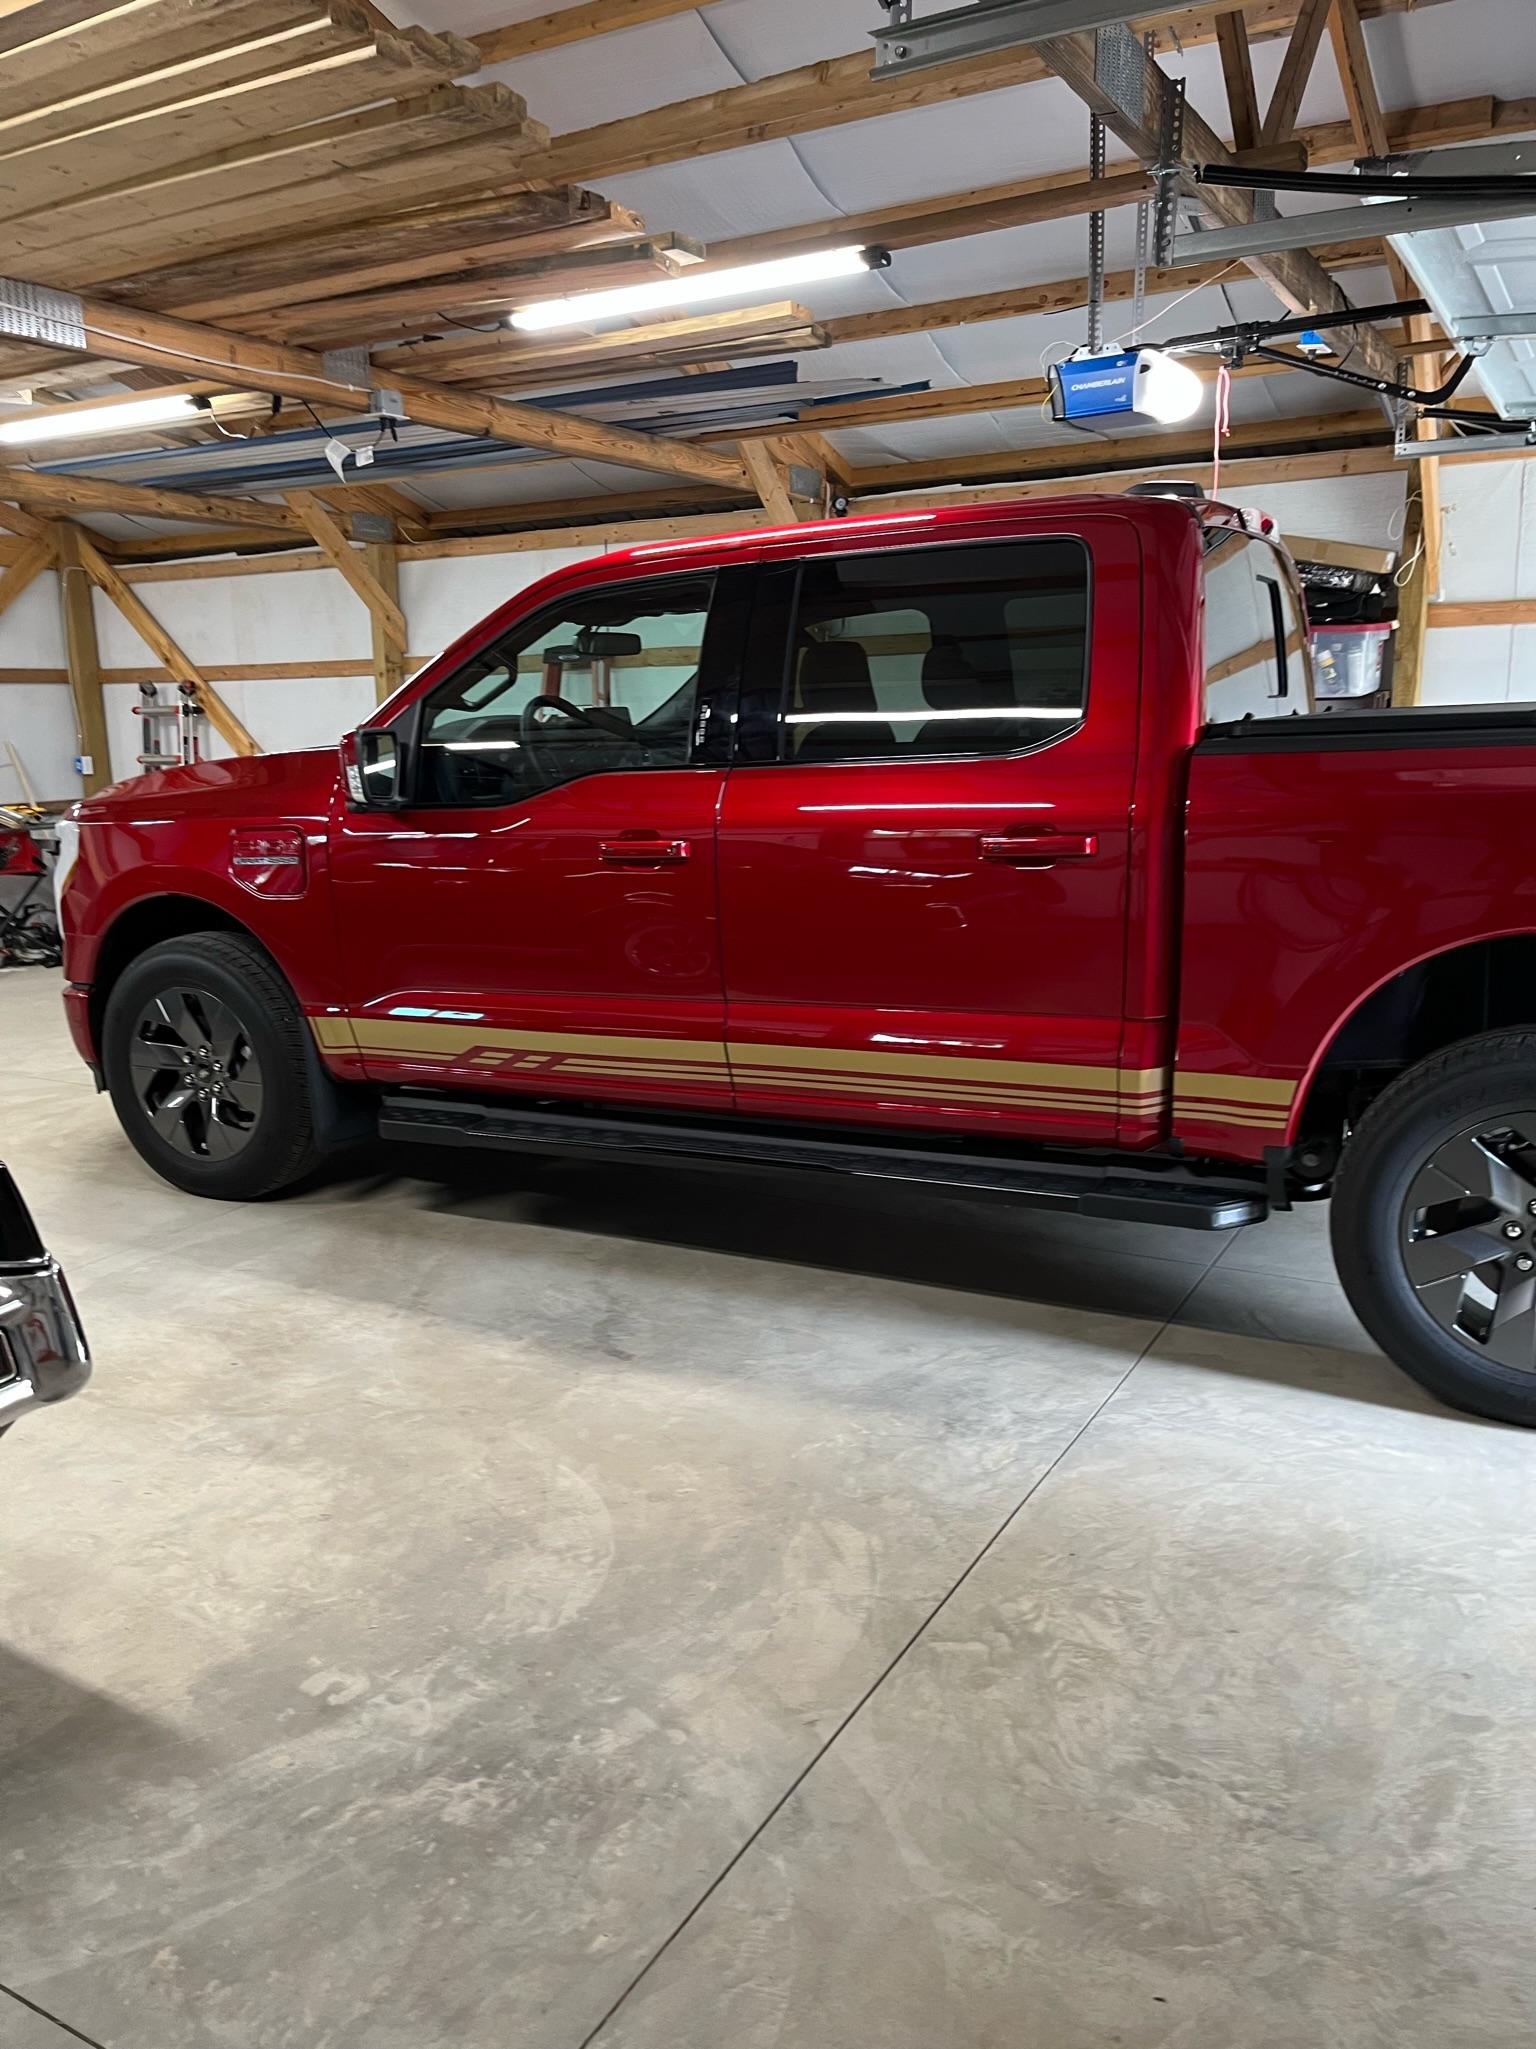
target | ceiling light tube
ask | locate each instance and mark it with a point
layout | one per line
(70, 423)
(587, 309)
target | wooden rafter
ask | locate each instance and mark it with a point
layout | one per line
(352, 565)
(1295, 70)
(1327, 430)
(68, 494)
(305, 42)
(1357, 78)
(840, 90)
(572, 25)
(184, 346)
(154, 636)
(769, 482)
(213, 124)
(1237, 70)
(31, 559)
(1294, 275)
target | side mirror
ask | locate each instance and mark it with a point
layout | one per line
(373, 765)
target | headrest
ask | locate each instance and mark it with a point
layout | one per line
(950, 683)
(834, 676)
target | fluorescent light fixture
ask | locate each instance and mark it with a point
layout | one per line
(69, 423)
(1166, 389)
(587, 309)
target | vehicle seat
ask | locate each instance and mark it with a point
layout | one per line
(834, 676)
(951, 683)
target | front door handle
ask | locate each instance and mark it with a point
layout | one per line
(642, 850)
(1027, 849)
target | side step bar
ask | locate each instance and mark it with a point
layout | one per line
(1090, 1188)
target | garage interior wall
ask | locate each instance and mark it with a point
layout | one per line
(293, 617)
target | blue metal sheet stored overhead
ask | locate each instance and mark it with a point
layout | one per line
(759, 395)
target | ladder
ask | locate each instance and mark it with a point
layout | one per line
(172, 731)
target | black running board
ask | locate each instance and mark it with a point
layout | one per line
(1090, 1188)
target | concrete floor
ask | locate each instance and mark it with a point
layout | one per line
(546, 1604)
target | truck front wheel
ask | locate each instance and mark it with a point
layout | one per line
(207, 1062)
(1434, 1224)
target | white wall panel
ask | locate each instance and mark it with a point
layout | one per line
(292, 617)
(444, 599)
(39, 721)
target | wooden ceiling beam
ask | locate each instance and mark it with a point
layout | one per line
(1127, 451)
(123, 42)
(269, 181)
(1295, 70)
(1237, 476)
(141, 148)
(187, 348)
(1295, 276)
(1061, 194)
(397, 248)
(401, 310)
(1237, 71)
(573, 25)
(328, 34)
(840, 90)
(1061, 295)
(55, 492)
(1357, 78)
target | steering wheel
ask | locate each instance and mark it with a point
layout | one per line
(532, 724)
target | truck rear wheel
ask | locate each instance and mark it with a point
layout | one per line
(206, 1058)
(1434, 1224)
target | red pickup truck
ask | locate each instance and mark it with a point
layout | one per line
(999, 848)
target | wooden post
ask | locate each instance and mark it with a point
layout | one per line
(1412, 605)
(383, 559)
(77, 603)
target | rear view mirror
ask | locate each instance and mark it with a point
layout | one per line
(593, 645)
(372, 763)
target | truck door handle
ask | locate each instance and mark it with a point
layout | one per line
(643, 850)
(1028, 849)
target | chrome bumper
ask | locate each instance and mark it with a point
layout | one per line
(43, 1354)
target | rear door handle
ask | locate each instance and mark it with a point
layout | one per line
(1026, 849)
(644, 850)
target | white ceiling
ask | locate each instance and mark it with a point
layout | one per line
(1435, 53)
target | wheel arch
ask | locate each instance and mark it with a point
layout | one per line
(143, 924)
(341, 1110)
(1450, 994)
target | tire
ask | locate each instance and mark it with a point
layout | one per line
(1434, 1211)
(253, 1129)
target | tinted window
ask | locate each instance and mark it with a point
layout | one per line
(1255, 639)
(975, 650)
(602, 684)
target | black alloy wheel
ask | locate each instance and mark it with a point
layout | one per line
(1468, 1234)
(213, 1070)
(196, 1074)
(1434, 1224)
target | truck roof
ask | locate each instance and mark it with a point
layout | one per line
(923, 522)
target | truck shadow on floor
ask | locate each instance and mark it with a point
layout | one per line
(1294, 1309)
